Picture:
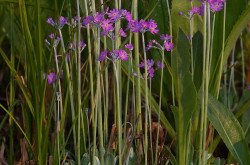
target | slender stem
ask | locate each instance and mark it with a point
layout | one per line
(171, 33)
(90, 65)
(191, 47)
(79, 83)
(119, 131)
(146, 98)
(243, 62)
(159, 116)
(222, 51)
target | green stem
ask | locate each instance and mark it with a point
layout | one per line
(243, 62)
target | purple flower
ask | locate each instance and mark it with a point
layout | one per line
(107, 26)
(144, 25)
(114, 14)
(152, 26)
(149, 45)
(115, 54)
(134, 26)
(129, 47)
(52, 78)
(151, 72)
(122, 33)
(216, 6)
(103, 55)
(180, 13)
(195, 10)
(122, 55)
(50, 21)
(98, 18)
(165, 37)
(87, 20)
(52, 36)
(168, 46)
(62, 21)
(160, 65)
(127, 15)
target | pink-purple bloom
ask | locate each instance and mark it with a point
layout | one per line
(152, 26)
(168, 46)
(103, 55)
(107, 26)
(122, 33)
(122, 55)
(216, 6)
(129, 47)
(114, 14)
(51, 78)
(160, 65)
(165, 37)
(59, 23)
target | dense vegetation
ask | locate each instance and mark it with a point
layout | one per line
(124, 82)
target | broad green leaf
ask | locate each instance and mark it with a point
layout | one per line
(229, 130)
(185, 90)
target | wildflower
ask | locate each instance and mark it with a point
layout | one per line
(122, 55)
(98, 18)
(151, 72)
(114, 14)
(129, 47)
(52, 36)
(149, 45)
(52, 78)
(216, 6)
(57, 24)
(144, 25)
(152, 26)
(62, 21)
(134, 26)
(87, 20)
(103, 55)
(165, 37)
(127, 15)
(107, 26)
(160, 65)
(122, 33)
(168, 46)
(51, 21)
(114, 54)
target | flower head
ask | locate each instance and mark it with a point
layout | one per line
(50, 21)
(52, 78)
(129, 47)
(160, 65)
(122, 33)
(165, 37)
(122, 55)
(103, 55)
(168, 46)
(87, 20)
(216, 6)
(107, 26)
(114, 14)
(152, 26)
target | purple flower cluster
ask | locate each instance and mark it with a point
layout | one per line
(119, 54)
(106, 21)
(51, 78)
(167, 44)
(52, 40)
(150, 66)
(58, 23)
(215, 6)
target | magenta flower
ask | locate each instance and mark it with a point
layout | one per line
(50, 21)
(151, 72)
(165, 37)
(52, 78)
(168, 46)
(129, 47)
(152, 26)
(98, 18)
(149, 45)
(52, 36)
(134, 26)
(122, 55)
(216, 6)
(87, 20)
(62, 21)
(122, 33)
(127, 15)
(160, 65)
(114, 14)
(144, 25)
(103, 55)
(107, 26)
